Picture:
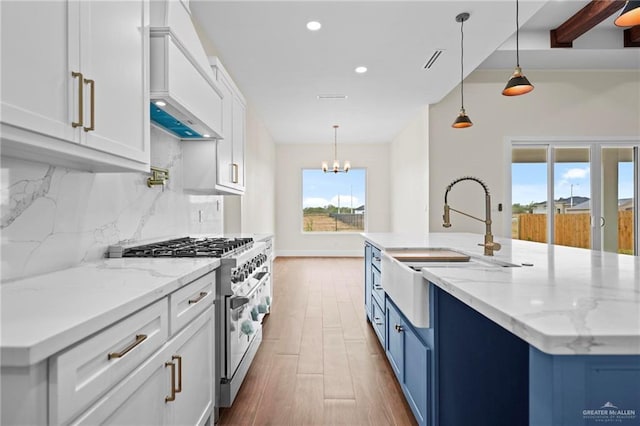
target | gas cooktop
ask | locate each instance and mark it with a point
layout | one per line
(185, 247)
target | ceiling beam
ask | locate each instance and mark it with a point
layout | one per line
(586, 18)
(632, 37)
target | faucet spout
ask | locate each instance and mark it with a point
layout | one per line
(489, 245)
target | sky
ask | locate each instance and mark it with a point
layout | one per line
(529, 181)
(320, 189)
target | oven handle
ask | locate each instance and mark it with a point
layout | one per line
(236, 302)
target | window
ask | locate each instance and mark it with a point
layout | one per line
(333, 202)
(591, 186)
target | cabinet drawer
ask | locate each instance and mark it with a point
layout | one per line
(82, 373)
(188, 302)
(376, 288)
(376, 257)
(378, 320)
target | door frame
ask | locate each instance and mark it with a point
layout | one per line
(593, 143)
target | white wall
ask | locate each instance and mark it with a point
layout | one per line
(409, 165)
(254, 212)
(258, 203)
(563, 104)
(290, 160)
(54, 218)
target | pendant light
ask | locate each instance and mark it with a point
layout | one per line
(462, 120)
(630, 15)
(336, 163)
(518, 83)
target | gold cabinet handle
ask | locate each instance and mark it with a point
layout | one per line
(172, 397)
(139, 339)
(80, 121)
(201, 296)
(92, 106)
(235, 171)
(179, 358)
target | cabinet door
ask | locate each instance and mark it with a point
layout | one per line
(114, 57)
(368, 280)
(417, 374)
(36, 79)
(139, 400)
(238, 132)
(395, 340)
(224, 148)
(193, 355)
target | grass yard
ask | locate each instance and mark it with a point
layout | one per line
(321, 222)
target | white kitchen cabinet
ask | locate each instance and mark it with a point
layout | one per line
(122, 374)
(217, 167)
(75, 83)
(173, 387)
(79, 375)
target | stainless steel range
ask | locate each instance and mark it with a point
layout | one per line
(243, 298)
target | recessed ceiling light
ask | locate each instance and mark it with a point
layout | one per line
(361, 70)
(314, 25)
(206, 135)
(160, 103)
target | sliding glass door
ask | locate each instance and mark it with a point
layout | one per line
(576, 194)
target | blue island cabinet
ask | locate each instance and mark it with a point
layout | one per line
(410, 359)
(488, 376)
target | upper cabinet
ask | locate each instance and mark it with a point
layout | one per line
(218, 167)
(231, 148)
(75, 84)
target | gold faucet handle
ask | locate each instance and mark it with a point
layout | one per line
(491, 245)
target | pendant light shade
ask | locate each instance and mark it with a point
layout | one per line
(630, 15)
(518, 84)
(462, 120)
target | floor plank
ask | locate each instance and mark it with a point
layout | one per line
(337, 376)
(309, 400)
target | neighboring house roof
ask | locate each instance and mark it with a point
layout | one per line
(582, 206)
(361, 208)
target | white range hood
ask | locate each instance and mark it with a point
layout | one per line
(185, 99)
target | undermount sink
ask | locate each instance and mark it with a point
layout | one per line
(403, 282)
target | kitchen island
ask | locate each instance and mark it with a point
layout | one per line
(558, 338)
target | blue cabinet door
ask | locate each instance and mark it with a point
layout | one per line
(417, 374)
(395, 340)
(368, 279)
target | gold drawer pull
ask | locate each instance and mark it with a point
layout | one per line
(235, 172)
(173, 382)
(139, 339)
(92, 106)
(202, 295)
(179, 358)
(80, 121)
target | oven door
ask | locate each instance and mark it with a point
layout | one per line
(244, 317)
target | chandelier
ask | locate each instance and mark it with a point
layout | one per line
(336, 163)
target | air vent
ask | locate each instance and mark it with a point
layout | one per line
(432, 60)
(332, 97)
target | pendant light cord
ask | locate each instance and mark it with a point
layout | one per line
(335, 143)
(517, 35)
(462, 64)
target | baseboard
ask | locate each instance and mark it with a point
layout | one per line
(319, 253)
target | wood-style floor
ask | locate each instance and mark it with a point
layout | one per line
(320, 362)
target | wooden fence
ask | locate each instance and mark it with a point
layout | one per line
(570, 229)
(351, 219)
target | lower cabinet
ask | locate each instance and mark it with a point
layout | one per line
(173, 387)
(410, 358)
(152, 367)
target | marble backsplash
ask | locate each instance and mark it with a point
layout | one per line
(54, 218)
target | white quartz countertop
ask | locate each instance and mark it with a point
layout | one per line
(43, 314)
(571, 301)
